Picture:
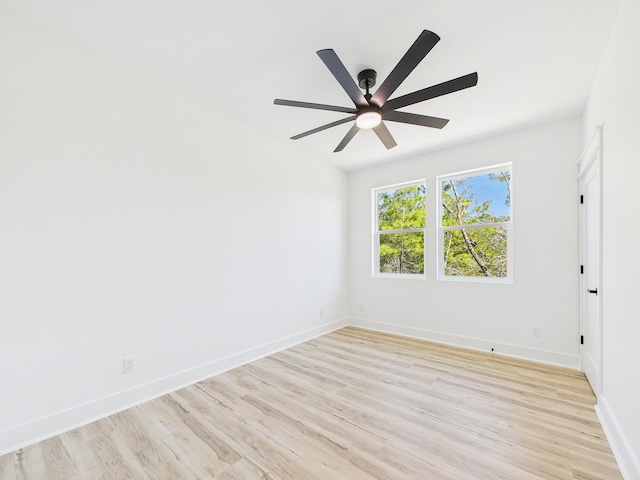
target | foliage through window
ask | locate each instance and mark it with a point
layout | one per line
(475, 224)
(400, 222)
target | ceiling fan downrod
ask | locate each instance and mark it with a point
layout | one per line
(366, 80)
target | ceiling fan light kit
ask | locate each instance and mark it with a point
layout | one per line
(370, 111)
(368, 118)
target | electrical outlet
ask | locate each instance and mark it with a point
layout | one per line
(321, 313)
(128, 364)
(535, 331)
(362, 308)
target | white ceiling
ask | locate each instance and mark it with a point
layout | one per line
(536, 59)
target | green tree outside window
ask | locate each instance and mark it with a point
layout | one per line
(401, 219)
(482, 204)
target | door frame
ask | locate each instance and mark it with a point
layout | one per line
(591, 154)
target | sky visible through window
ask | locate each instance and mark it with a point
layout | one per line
(483, 188)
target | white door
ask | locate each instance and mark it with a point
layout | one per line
(591, 288)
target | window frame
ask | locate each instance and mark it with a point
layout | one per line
(440, 229)
(375, 237)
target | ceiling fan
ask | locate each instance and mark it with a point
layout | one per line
(370, 111)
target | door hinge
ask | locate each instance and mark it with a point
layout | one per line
(582, 269)
(581, 198)
(581, 339)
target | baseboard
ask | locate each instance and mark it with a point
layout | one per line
(517, 351)
(625, 456)
(46, 427)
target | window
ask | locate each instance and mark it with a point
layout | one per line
(474, 231)
(399, 224)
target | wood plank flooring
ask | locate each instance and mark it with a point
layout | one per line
(353, 404)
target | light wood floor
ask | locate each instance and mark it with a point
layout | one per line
(352, 404)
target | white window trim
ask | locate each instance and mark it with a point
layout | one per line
(440, 229)
(375, 240)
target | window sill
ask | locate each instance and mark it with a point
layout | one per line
(401, 276)
(493, 280)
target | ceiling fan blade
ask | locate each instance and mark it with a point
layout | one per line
(324, 127)
(337, 68)
(385, 135)
(347, 138)
(423, 45)
(317, 106)
(414, 119)
(444, 88)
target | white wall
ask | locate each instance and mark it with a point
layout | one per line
(615, 103)
(545, 288)
(134, 222)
